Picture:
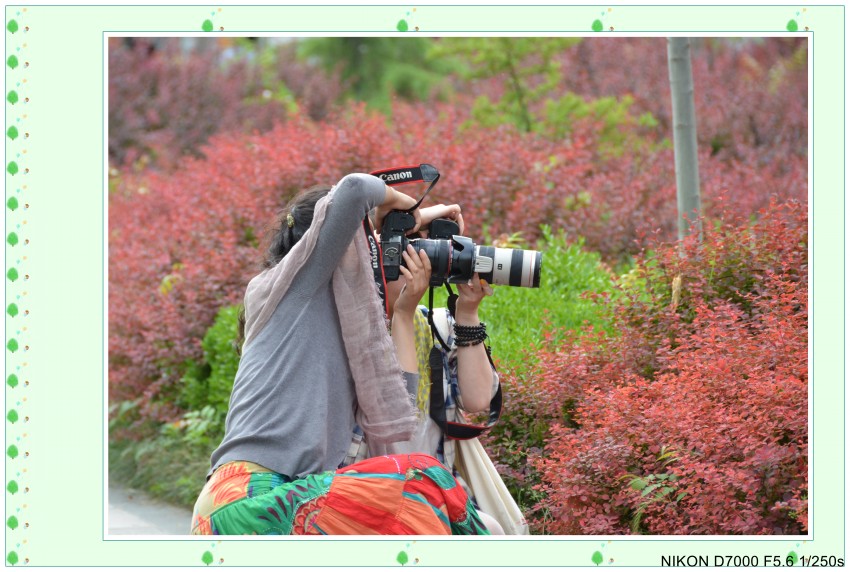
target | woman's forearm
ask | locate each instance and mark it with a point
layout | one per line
(474, 373)
(403, 334)
(395, 200)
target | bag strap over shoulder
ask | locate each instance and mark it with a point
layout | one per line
(437, 409)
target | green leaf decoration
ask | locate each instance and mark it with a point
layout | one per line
(207, 26)
(12, 62)
(12, 522)
(12, 97)
(12, 451)
(12, 345)
(12, 168)
(207, 558)
(597, 26)
(792, 26)
(12, 487)
(12, 239)
(12, 26)
(12, 274)
(12, 133)
(12, 381)
(12, 310)
(401, 26)
(792, 556)
(401, 558)
(12, 416)
(12, 203)
(12, 558)
(597, 558)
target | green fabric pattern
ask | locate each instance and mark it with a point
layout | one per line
(441, 476)
(271, 512)
(472, 524)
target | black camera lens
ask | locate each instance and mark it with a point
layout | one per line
(455, 259)
(440, 254)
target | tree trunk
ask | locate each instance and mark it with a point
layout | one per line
(684, 136)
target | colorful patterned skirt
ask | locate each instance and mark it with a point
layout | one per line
(393, 494)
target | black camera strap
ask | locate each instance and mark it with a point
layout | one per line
(451, 301)
(395, 176)
(437, 407)
(377, 266)
(423, 173)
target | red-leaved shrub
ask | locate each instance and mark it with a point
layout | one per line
(185, 243)
(748, 92)
(165, 102)
(692, 418)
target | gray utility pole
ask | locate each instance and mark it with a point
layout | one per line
(684, 136)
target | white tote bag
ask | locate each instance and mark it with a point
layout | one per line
(476, 468)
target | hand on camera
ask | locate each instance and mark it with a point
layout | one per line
(396, 201)
(469, 298)
(432, 213)
(417, 273)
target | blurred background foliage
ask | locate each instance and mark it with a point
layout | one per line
(556, 144)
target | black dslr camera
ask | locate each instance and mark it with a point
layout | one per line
(454, 258)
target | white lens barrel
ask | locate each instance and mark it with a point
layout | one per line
(509, 266)
(502, 266)
(483, 264)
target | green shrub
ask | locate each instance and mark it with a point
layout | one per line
(209, 383)
(171, 460)
(168, 465)
(518, 317)
(620, 128)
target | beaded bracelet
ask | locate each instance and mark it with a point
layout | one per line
(460, 329)
(466, 336)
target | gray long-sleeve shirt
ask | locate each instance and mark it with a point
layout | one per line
(293, 401)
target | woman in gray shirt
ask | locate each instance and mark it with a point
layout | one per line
(317, 359)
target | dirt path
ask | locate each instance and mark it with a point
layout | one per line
(134, 512)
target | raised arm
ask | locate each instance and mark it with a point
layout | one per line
(475, 376)
(417, 273)
(353, 197)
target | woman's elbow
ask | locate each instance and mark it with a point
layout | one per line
(476, 403)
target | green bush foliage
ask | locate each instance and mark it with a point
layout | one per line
(378, 70)
(619, 128)
(528, 68)
(209, 382)
(171, 460)
(517, 318)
